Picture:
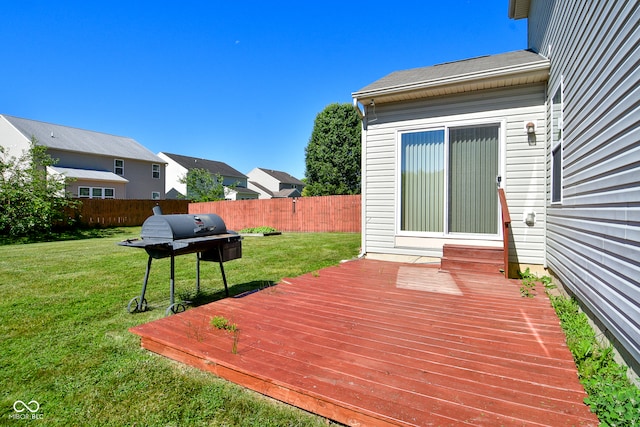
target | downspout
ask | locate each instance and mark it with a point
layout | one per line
(546, 159)
(363, 181)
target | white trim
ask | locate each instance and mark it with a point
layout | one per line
(363, 187)
(560, 144)
(103, 190)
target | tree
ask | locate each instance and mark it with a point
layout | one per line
(202, 186)
(32, 202)
(333, 153)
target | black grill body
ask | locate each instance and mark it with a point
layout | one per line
(167, 236)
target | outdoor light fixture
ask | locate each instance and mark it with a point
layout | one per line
(530, 218)
(531, 133)
(372, 108)
(531, 128)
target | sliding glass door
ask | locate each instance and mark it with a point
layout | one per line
(448, 180)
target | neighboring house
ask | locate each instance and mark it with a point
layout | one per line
(178, 167)
(593, 156)
(272, 184)
(99, 165)
(555, 126)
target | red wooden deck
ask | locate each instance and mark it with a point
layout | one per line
(378, 343)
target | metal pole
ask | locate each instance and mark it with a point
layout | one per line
(197, 273)
(144, 284)
(172, 277)
(224, 278)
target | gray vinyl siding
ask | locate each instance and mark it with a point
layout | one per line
(523, 178)
(138, 172)
(594, 234)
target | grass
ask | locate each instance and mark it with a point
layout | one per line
(66, 343)
(611, 396)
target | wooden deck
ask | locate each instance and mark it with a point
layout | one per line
(371, 343)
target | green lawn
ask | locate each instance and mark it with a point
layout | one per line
(65, 342)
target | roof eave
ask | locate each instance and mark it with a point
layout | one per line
(519, 9)
(502, 77)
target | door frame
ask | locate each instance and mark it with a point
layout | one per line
(446, 125)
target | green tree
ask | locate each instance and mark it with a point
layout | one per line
(202, 186)
(32, 202)
(333, 153)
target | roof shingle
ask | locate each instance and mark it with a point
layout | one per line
(83, 141)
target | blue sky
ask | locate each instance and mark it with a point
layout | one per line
(236, 81)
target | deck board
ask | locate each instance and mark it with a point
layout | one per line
(379, 343)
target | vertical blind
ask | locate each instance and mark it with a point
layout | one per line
(473, 167)
(422, 181)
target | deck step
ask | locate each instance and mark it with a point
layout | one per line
(472, 259)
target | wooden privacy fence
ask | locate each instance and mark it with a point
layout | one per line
(124, 213)
(306, 214)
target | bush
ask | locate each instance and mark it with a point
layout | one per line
(258, 230)
(32, 202)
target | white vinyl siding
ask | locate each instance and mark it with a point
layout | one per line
(594, 235)
(522, 164)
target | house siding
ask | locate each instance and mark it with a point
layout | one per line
(523, 169)
(594, 234)
(12, 140)
(174, 173)
(141, 183)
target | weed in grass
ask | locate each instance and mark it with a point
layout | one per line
(528, 284)
(220, 322)
(195, 331)
(611, 396)
(530, 281)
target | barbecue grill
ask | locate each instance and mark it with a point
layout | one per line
(167, 236)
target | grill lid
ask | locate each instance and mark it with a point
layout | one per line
(181, 226)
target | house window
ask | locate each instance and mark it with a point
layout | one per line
(155, 171)
(556, 144)
(96, 193)
(118, 167)
(447, 182)
(155, 195)
(84, 192)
